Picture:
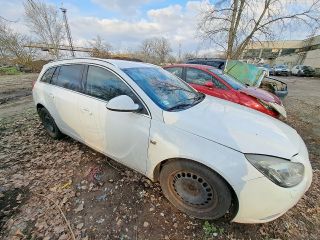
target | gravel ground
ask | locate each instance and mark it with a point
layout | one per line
(42, 181)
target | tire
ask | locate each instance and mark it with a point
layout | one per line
(49, 124)
(195, 189)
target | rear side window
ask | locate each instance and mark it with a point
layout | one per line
(105, 85)
(176, 71)
(69, 77)
(48, 75)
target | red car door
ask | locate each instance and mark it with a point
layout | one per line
(208, 84)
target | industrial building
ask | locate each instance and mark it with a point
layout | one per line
(289, 52)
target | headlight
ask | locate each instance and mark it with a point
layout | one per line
(280, 171)
(263, 103)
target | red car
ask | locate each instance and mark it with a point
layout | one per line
(214, 82)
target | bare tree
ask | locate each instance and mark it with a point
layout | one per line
(232, 25)
(100, 49)
(147, 50)
(45, 22)
(155, 50)
(162, 48)
(13, 46)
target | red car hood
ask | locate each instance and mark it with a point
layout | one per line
(261, 94)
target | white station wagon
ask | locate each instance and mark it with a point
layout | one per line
(212, 157)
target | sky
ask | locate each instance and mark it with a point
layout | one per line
(124, 24)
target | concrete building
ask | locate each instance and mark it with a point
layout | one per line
(289, 52)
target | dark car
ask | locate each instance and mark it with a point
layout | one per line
(213, 62)
(280, 69)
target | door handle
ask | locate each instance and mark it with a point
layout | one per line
(86, 110)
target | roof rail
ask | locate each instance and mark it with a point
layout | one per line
(92, 58)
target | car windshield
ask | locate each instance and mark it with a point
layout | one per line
(165, 89)
(229, 79)
(281, 66)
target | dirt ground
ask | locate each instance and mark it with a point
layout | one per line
(43, 180)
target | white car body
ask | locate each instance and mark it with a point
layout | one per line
(301, 71)
(214, 132)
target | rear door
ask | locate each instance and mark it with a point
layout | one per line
(68, 86)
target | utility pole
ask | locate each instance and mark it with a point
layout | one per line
(179, 51)
(64, 12)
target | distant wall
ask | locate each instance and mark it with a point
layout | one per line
(313, 58)
(290, 60)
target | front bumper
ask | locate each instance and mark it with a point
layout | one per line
(261, 200)
(282, 72)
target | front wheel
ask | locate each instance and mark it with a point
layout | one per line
(195, 189)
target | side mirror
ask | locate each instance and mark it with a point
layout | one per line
(209, 84)
(122, 103)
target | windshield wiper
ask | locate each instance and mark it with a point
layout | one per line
(182, 103)
(175, 87)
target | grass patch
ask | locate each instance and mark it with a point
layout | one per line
(210, 230)
(9, 71)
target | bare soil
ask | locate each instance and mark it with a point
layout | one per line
(102, 199)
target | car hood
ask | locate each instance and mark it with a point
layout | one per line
(236, 127)
(281, 69)
(261, 94)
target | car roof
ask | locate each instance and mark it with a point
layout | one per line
(198, 66)
(207, 59)
(115, 62)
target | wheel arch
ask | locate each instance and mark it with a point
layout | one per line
(39, 106)
(235, 201)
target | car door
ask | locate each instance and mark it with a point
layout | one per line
(67, 81)
(224, 92)
(123, 136)
(198, 78)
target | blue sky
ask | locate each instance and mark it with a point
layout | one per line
(126, 23)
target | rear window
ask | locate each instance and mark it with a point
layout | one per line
(216, 64)
(69, 77)
(48, 75)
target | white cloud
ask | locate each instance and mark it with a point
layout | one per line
(177, 23)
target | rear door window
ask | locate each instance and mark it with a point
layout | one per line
(69, 77)
(46, 77)
(176, 71)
